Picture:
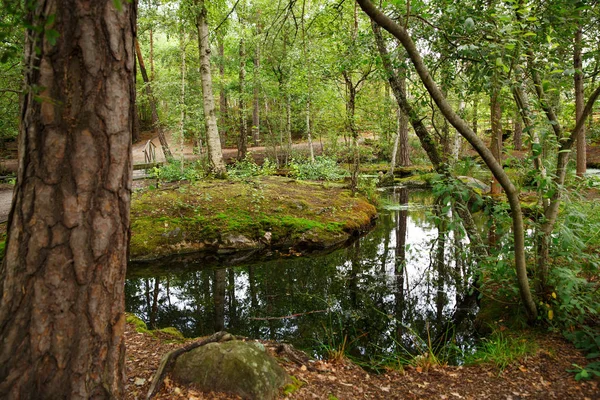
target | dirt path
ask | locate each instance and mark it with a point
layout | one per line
(229, 154)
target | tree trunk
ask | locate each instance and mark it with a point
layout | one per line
(213, 142)
(223, 108)
(496, 142)
(579, 103)
(518, 131)
(351, 124)
(182, 103)
(308, 84)
(243, 139)
(288, 125)
(151, 55)
(63, 275)
(403, 147)
(155, 121)
(256, 96)
(220, 287)
(475, 121)
(396, 142)
(466, 131)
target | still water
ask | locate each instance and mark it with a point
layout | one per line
(391, 292)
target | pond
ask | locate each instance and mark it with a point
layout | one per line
(401, 289)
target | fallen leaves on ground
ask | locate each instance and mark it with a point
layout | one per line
(542, 376)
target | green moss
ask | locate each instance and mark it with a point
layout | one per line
(291, 388)
(204, 214)
(178, 336)
(140, 326)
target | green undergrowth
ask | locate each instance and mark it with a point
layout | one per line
(266, 211)
(504, 348)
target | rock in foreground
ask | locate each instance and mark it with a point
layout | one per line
(234, 367)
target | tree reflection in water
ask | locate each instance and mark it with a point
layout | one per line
(386, 293)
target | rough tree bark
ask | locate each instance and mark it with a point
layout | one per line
(213, 142)
(465, 130)
(155, 121)
(62, 278)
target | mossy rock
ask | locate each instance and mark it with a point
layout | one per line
(235, 367)
(140, 326)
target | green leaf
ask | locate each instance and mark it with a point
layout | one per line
(469, 24)
(51, 36)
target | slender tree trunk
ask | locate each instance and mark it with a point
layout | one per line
(396, 143)
(474, 121)
(496, 143)
(62, 278)
(182, 103)
(243, 139)
(466, 131)
(220, 287)
(256, 95)
(518, 131)
(154, 309)
(155, 121)
(456, 147)
(306, 57)
(579, 103)
(288, 124)
(403, 147)
(223, 109)
(151, 55)
(213, 142)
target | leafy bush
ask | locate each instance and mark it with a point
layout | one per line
(248, 168)
(173, 172)
(587, 340)
(323, 168)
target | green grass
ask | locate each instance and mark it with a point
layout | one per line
(503, 349)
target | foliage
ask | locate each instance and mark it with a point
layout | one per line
(502, 349)
(323, 168)
(174, 172)
(587, 340)
(248, 168)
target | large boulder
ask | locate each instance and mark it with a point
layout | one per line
(237, 367)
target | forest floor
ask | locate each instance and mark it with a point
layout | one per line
(542, 375)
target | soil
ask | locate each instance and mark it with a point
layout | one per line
(540, 376)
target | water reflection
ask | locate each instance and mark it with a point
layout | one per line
(405, 281)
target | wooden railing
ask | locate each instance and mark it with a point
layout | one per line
(150, 152)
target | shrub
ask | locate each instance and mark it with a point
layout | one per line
(322, 169)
